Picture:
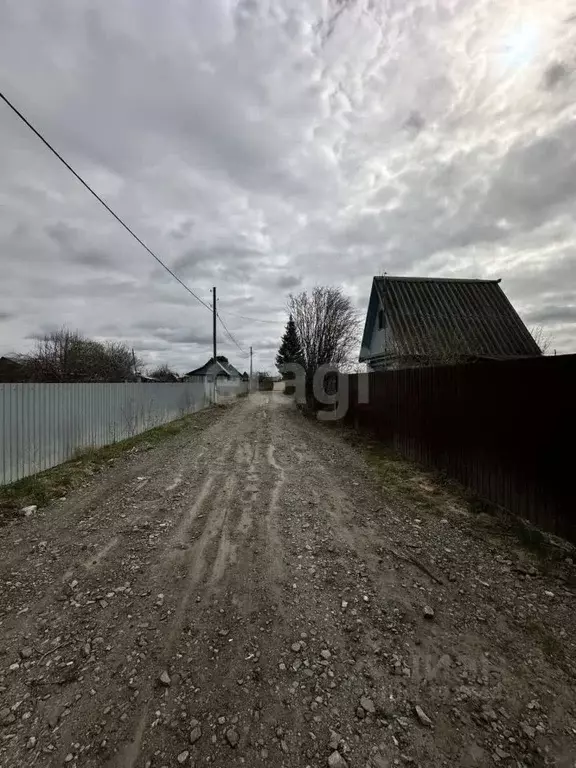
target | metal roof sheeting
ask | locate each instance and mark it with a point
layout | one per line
(222, 362)
(438, 316)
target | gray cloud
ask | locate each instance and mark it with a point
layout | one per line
(555, 74)
(288, 282)
(554, 315)
(269, 147)
(182, 336)
(537, 176)
(414, 123)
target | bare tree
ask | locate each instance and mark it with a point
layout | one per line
(327, 327)
(544, 339)
(164, 373)
(446, 346)
(116, 362)
(65, 355)
(436, 347)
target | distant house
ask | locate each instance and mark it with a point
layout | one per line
(215, 369)
(170, 378)
(12, 371)
(414, 321)
(245, 377)
(167, 378)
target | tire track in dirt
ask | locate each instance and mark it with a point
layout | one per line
(206, 561)
(113, 559)
(197, 558)
(249, 602)
(123, 490)
(274, 542)
(230, 586)
(268, 531)
(164, 570)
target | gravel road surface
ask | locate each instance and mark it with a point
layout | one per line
(252, 594)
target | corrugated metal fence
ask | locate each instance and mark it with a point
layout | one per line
(42, 425)
(506, 430)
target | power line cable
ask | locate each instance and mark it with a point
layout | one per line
(253, 319)
(230, 335)
(100, 200)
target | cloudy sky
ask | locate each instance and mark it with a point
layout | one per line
(264, 146)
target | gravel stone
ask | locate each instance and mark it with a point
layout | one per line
(367, 705)
(337, 761)
(164, 679)
(423, 717)
(232, 737)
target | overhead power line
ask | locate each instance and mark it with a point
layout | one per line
(253, 319)
(100, 200)
(230, 336)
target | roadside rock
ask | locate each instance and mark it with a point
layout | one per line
(164, 679)
(428, 612)
(6, 716)
(54, 716)
(367, 705)
(196, 731)
(378, 761)
(334, 740)
(232, 737)
(337, 761)
(423, 717)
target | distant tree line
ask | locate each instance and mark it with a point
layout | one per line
(69, 356)
(164, 373)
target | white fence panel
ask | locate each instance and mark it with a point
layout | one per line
(42, 425)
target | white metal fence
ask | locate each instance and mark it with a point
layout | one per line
(42, 425)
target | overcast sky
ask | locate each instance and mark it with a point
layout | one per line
(264, 146)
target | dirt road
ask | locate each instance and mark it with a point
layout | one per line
(251, 595)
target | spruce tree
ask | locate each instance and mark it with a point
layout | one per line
(290, 350)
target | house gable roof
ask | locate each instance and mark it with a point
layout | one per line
(222, 362)
(434, 316)
(232, 370)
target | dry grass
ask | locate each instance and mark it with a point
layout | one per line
(401, 477)
(42, 488)
(432, 491)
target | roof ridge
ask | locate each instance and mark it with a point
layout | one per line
(415, 279)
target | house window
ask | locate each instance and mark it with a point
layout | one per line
(381, 320)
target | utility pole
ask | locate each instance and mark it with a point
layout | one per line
(250, 381)
(214, 385)
(214, 320)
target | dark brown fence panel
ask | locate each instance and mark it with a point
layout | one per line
(506, 430)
